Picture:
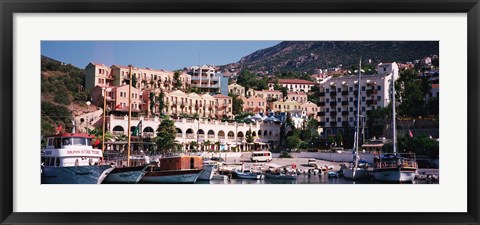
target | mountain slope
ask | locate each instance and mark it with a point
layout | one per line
(305, 56)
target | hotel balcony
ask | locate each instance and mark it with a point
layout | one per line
(372, 91)
(344, 113)
(333, 93)
(345, 123)
(333, 123)
(321, 104)
(205, 78)
(333, 103)
(371, 102)
(148, 134)
(344, 102)
(322, 94)
(344, 92)
(320, 113)
(333, 113)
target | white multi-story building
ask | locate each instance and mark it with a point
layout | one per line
(205, 79)
(338, 101)
(231, 135)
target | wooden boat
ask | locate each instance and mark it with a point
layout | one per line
(70, 159)
(175, 170)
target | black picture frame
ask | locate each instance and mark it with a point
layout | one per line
(10, 7)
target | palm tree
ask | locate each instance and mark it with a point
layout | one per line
(218, 145)
(194, 144)
(98, 133)
(207, 143)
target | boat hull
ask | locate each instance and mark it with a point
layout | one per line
(280, 176)
(207, 172)
(171, 177)
(354, 174)
(250, 176)
(125, 175)
(394, 175)
(75, 174)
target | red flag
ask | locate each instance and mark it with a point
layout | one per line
(59, 129)
(118, 106)
(97, 142)
(410, 133)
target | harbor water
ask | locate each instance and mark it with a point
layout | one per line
(309, 179)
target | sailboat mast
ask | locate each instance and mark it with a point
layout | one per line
(358, 111)
(104, 117)
(394, 124)
(129, 113)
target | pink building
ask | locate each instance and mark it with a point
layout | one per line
(223, 105)
(254, 105)
(297, 96)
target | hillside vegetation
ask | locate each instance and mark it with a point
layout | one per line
(306, 56)
(61, 89)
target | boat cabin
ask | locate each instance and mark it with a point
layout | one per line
(181, 163)
(405, 160)
(70, 150)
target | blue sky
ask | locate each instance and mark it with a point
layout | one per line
(169, 55)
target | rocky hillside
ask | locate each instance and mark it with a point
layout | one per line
(63, 95)
(305, 56)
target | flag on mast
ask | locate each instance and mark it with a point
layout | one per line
(138, 129)
(410, 133)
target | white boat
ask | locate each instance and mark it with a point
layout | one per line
(207, 172)
(125, 175)
(332, 174)
(354, 171)
(395, 167)
(70, 159)
(248, 175)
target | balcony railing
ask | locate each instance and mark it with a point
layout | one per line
(344, 113)
(333, 103)
(333, 123)
(190, 136)
(333, 113)
(148, 134)
(320, 113)
(344, 102)
(344, 92)
(371, 102)
(321, 104)
(345, 123)
(333, 93)
(322, 94)
(178, 135)
(372, 91)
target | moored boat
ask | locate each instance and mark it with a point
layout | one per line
(175, 170)
(125, 175)
(395, 167)
(354, 171)
(207, 172)
(70, 159)
(248, 175)
(280, 176)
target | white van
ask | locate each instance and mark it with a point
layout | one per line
(261, 156)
